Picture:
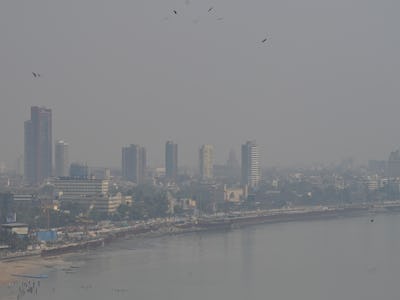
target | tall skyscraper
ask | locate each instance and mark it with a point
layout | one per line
(134, 163)
(61, 159)
(38, 145)
(251, 170)
(233, 166)
(393, 165)
(171, 160)
(206, 162)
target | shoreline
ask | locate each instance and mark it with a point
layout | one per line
(39, 262)
(213, 223)
(28, 265)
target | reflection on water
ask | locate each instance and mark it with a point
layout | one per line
(333, 259)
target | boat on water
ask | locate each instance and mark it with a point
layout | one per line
(32, 276)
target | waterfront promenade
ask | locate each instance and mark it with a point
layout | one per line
(24, 262)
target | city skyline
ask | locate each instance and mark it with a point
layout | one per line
(192, 163)
(310, 94)
(182, 149)
(133, 159)
(61, 151)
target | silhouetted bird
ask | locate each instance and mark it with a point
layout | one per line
(264, 40)
(210, 9)
(372, 220)
(175, 12)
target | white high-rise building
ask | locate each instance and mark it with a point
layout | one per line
(206, 162)
(251, 169)
(61, 159)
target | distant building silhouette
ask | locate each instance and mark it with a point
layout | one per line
(171, 160)
(61, 158)
(393, 165)
(19, 165)
(378, 166)
(232, 165)
(206, 162)
(134, 163)
(79, 170)
(38, 145)
(251, 170)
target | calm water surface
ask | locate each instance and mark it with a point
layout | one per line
(349, 258)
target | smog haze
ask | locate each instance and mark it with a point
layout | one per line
(324, 85)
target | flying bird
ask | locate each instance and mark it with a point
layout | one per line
(175, 12)
(210, 9)
(264, 40)
(35, 75)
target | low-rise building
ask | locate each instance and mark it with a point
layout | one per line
(72, 189)
(20, 229)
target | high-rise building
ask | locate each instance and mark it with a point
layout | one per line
(251, 170)
(393, 165)
(38, 145)
(233, 166)
(134, 163)
(171, 160)
(61, 159)
(206, 162)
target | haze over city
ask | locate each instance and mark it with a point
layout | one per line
(323, 86)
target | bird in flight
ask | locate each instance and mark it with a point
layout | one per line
(175, 12)
(264, 40)
(210, 9)
(36, 74)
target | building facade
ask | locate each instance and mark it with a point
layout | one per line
(251, 169)
(79, 170)
(134, 163)
(206, 162)
(393, 165)
(73, 189)
(171, 160)
(38, 146)
(61, 158)
(6, 206)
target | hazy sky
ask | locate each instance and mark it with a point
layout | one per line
(323, 87)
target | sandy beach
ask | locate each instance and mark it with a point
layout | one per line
(31, 265)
